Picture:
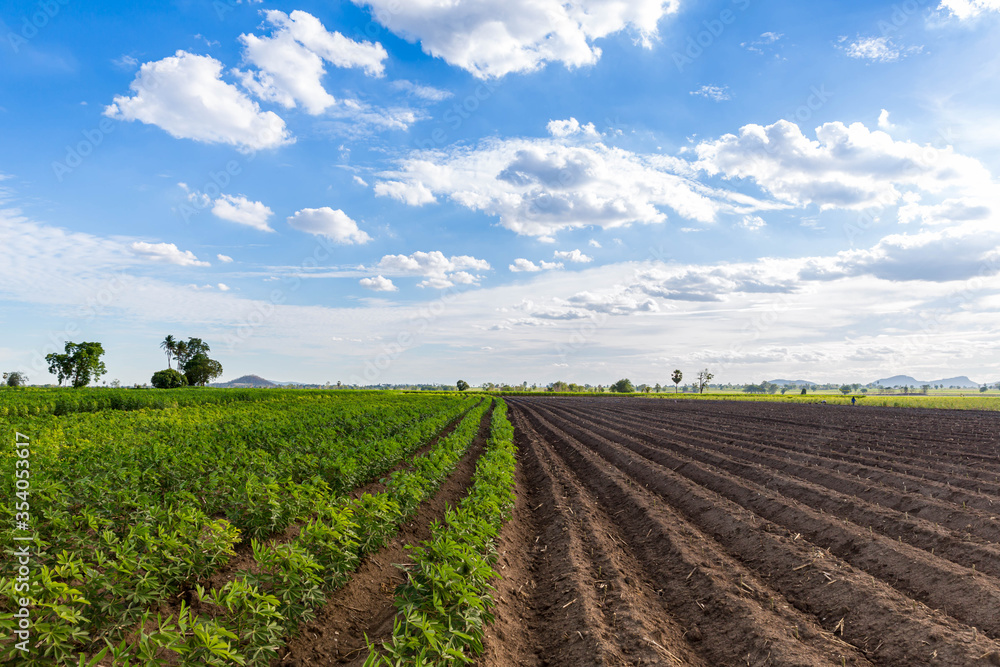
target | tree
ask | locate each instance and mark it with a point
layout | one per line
(168, 379)
(623, 386)
(462, 385)
(15, 379)
(170, 345)
(199, 370)
(804, 391)
(704, 377)
(80, 364)
(983, 389)
(676, 379)
(845, 390)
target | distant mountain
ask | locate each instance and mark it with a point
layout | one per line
(801, 383)
(905, 380)
(247, 381)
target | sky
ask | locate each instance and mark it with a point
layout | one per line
(380, 191)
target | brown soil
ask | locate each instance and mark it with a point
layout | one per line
(365, 605)
(727, 533)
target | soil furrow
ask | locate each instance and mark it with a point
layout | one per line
(872, 615)
(734, 615)
(967, 595)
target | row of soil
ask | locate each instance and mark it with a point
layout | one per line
(934, 527)
(966, 594)
(917, 489)
(857, 438)
(839, 578)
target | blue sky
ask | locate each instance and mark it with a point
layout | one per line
(532, 190)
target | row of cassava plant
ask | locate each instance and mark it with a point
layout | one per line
(445, 603)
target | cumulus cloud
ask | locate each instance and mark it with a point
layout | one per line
(492, 38)
(378, 284)
(969, 9)
(574, 256)
(949, 211)
(437, 270)
(593, 243)
(571, 127)
(846, 167)
(225, 259)
(223, 287)
(953, 253)
(332, 224)
(527, 266)
(753, 222)
(291, 61)
(166, 253)
(538, 187)
(883, 121)
(716, 93)
(185, 95)
(242, 211)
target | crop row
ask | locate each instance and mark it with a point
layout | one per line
(445, 604)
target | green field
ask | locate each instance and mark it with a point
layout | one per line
(121, 502)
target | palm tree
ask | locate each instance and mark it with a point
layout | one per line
(170, 345)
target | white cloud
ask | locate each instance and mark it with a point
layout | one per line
(378, 284)
(878, 49)
(538, 187)
(568, 128)
(574, 256)
(492, 39)
(429, 93)
(883, 121)
(969, 9)
(593, 243)
(847, 167)
(167, 253)
(333, 224)
(716, 93)
(949, 211)
(356, 119)
(185, 95)
(962, 252)
(438, 270)
(360, 181)
(223, 287)
(242, 211)
(527, 266)
(225, 259)
(753, 223)
(290, 61)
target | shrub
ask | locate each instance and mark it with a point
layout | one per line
(168, 379)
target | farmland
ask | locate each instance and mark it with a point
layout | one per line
(286, 527)
(750, 533)
(199, 527)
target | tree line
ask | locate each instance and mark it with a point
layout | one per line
(81, 363)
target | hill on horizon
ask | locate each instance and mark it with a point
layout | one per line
(961, 381)
(246, 381)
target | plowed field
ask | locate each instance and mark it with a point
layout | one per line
(729, 533)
